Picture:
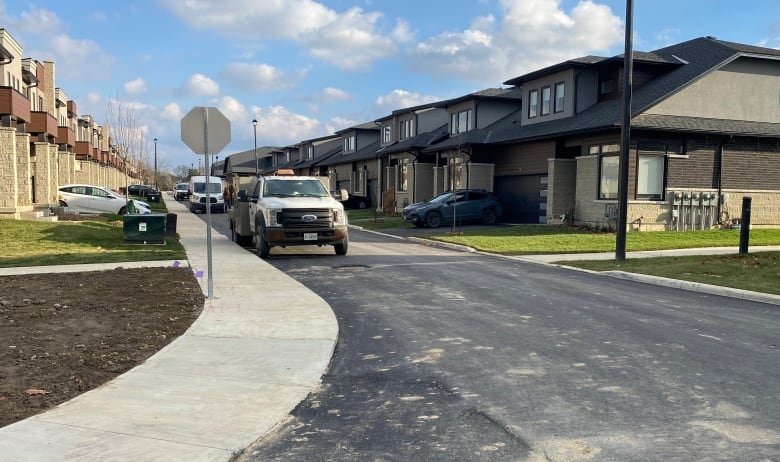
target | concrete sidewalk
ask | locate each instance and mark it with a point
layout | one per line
(246, 362)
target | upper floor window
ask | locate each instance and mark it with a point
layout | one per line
(560, 88)
(387, 134)
(461, 122)
(407, 129)
(546, 96)
(349, 143)
(310, 152)
(533, 103)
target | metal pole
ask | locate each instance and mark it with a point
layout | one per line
(257, 165)
(210, 282)
(625, 137)
(744, 225)
(155, 164)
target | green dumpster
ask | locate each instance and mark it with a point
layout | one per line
(148, 228)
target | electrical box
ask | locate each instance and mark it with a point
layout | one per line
(148, 228)
(677, 198)
(708, 199)
(686, 197)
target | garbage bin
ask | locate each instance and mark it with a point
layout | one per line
(148, 228)
(170, 224)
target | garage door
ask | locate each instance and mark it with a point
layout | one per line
(521, 196)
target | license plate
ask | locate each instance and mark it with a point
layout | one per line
(309, 236)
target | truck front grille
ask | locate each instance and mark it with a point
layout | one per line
(294, 218)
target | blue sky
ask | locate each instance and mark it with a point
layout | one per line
(306, 68)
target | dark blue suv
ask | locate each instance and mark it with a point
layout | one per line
(461, 205)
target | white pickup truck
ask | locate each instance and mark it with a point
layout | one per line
(285, 210)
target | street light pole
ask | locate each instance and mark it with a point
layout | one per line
(155, 164)
(257, 165)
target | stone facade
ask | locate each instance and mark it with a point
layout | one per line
(561, 189)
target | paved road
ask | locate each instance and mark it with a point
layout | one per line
(452, 356)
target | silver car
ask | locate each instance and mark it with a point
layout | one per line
(85, 198)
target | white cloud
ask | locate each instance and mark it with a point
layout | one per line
(402, 33)
(335, 94)
(530, 35)
(135, 87)
(73, 56)
(172, 112)
(36, 20)
(399, 99)
(232, 109)
(278, 126)
(200, 85)
(351, 40)
(258, 77)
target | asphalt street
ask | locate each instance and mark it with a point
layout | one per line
(451, 356)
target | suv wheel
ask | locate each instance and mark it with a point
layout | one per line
(433, 219)
(262, 250)
(489, 217)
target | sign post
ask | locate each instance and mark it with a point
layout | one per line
(206, 131)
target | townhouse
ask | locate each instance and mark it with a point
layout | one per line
(705, 131)
(43, 141)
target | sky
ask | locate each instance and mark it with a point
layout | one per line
(307, 68)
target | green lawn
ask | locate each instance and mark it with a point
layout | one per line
(546, 239)
(370, 219)
(758, 272)
(34, 243)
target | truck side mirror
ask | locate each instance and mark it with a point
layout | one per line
(342, 195)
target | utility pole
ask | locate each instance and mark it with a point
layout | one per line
(625, 138)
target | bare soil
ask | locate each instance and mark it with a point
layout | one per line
(64, 334)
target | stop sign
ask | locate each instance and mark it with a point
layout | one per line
(205, 130)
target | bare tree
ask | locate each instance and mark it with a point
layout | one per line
(127, 137)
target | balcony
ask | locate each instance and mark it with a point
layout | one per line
(42, 122)
(66, 136)
(14, 103)
(83, 148)
(72, 109)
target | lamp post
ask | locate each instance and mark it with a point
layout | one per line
(257, 165)
(155, 163)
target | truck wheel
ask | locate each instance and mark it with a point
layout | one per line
(342, 247)
(262, 249)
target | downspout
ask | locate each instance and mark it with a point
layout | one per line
(721, 149)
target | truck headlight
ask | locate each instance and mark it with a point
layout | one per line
(273, 217)
(339, 217)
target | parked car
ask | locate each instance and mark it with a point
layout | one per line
(181, 191)
(85, 198)
(150, 193)
(462, 205)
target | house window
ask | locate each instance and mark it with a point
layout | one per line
(650, 176)
(533, 103)
(460, 122)
(361, 178)
(403, 174)
(559, 97)
(546, 100)
(607, 86)
(349, 143)
(387, 134)
(609, 161)
(407, 129)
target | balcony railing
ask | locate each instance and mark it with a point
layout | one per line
(42, 122)
(14, 103)
(66, 136)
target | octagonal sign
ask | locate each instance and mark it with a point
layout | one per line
(205, 130)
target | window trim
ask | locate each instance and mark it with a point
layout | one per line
(562, 85)
(546, 89)
(533, 95)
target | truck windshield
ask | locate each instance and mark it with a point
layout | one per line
(294, 188)
(214, 188)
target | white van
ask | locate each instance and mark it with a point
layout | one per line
(199, 185)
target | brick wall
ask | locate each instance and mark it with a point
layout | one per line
(8, 170)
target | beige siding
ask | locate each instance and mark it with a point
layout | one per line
(423, 182)
(743, 90)
(481, 176)
(561, 188)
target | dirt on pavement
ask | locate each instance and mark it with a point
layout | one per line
(62, 334)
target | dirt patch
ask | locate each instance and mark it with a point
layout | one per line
(64, 334)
